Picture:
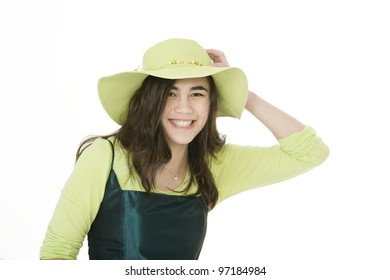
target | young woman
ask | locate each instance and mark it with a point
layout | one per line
(144, 192)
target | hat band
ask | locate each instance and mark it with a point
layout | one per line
(171, 63)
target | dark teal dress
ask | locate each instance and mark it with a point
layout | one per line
(135, 225)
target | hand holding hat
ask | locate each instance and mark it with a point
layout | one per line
(218, 57)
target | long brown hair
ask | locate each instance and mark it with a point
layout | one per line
(143, 139)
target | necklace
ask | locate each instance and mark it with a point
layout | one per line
(175, 177)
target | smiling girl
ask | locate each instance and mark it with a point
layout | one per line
(144, 192)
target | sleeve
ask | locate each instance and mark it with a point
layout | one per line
(240, 168)
(79, 203)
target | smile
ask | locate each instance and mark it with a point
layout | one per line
(182, 123)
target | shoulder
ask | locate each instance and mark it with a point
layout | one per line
(99, 149)
(231, 153)
(99, 145)
(232, 150)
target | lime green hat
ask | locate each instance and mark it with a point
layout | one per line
(174, 59)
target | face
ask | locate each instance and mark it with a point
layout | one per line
(186, 110)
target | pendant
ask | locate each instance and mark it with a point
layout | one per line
(175, 178)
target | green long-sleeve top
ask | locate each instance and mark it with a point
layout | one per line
(235, 169)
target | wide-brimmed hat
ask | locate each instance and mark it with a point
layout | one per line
(174, 59)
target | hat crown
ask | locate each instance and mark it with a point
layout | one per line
(174, 52)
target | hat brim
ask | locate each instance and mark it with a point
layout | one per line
(116, 91)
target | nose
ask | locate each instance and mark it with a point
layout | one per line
(183, 106)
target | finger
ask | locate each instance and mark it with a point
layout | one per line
(218, 65)
(214, 52)
(218, 57)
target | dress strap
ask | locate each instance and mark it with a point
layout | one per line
(113, 154)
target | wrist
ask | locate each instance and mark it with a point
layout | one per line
(249, 100)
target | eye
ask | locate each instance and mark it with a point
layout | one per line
(171, 94)
(198, 94)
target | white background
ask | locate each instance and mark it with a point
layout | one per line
(325, 62)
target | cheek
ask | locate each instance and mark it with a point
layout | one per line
(203, 112)
(206, 109)
(167, 108)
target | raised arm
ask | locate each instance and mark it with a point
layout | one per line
(278, 122)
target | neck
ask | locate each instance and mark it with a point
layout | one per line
(179, 156)
(172, 174)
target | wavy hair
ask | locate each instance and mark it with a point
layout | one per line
(143, 139)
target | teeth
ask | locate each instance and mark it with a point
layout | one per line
(181, 123)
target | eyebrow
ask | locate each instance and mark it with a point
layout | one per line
(193, 88)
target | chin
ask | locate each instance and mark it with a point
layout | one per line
(181, 142)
